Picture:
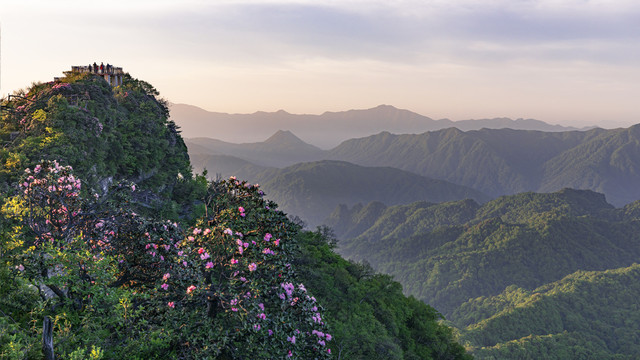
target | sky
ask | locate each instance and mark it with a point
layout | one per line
(573, 62)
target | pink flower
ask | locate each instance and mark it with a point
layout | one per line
(200, 251)
(191, 238)
(267, 237)
(277, 242)
(204, 256)
(206, 231)
(228, 231)
(171, 304)
(290, 354)
(241, 209)
(190, 289)
(253, 267)
(270, 332)
(234, 261)
(196, 231)
(209, 265)
(292, 339)
(165, 286)
(166, 276)
(328, 337)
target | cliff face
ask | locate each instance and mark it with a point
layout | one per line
(104, 133)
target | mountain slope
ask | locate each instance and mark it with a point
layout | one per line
(106, 134)
(313, 190)
(608, 163)
(506, 161)
(525, 240)
(588, 314)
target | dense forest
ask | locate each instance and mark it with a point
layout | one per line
(114, 249)
(525, 276)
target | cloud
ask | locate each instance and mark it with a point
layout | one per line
(405, 31)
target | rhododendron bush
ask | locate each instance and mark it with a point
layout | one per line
(135, 287)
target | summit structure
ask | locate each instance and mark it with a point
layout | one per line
(111, 74)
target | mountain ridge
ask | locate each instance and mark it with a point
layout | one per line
(328, 129)
(312, 190)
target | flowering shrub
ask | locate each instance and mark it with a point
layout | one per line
(222, 288)
(64, 86)
(239, 263)
(51, 192)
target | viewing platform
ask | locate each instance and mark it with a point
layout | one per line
(111, 74)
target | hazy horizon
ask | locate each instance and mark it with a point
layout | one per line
(571, 63)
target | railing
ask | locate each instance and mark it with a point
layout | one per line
(106, 70)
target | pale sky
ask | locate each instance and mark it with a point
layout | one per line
(573, 62)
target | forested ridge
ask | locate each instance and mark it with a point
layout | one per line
(504, 161)
(524, 276)
(108, 236)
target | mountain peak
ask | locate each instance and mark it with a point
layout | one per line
(283, 136)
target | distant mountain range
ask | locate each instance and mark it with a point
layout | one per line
(330, 128)
(505, 161)
(494, 162)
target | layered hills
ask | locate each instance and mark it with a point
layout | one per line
(493, 161)
(281, 149)
(330, 128)
(524, 276)
(313, 190)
